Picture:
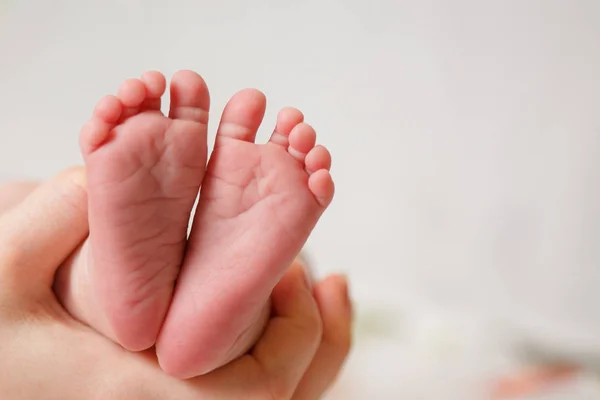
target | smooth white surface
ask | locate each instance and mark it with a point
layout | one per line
(465, 135)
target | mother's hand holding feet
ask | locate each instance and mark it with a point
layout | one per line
(46, 354)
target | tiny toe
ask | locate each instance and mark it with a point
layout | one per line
(190, 99)
(287, 119)
(302, 139)
(318, 158)
(132, 93)
(155, 87)
(95, 132)
(242, 116)
(108, 109)
(93, 135)
(155, 83)
(322, 187)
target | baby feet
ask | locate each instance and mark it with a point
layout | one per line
(144, 172)
(258, 205)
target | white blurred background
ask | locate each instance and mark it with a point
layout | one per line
(465, 137)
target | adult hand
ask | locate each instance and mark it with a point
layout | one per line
(46, 354)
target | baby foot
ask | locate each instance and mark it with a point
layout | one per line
(144, 171)
(257, 207)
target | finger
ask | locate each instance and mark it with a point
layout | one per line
(336, 311)
(290, 341)
(41, 232)
(13, 193)
(278, 361)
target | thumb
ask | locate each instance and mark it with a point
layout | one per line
(39, 234)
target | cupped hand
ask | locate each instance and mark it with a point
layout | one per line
(46, 354)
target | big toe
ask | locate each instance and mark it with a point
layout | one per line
(190, 99)
(242, 116)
